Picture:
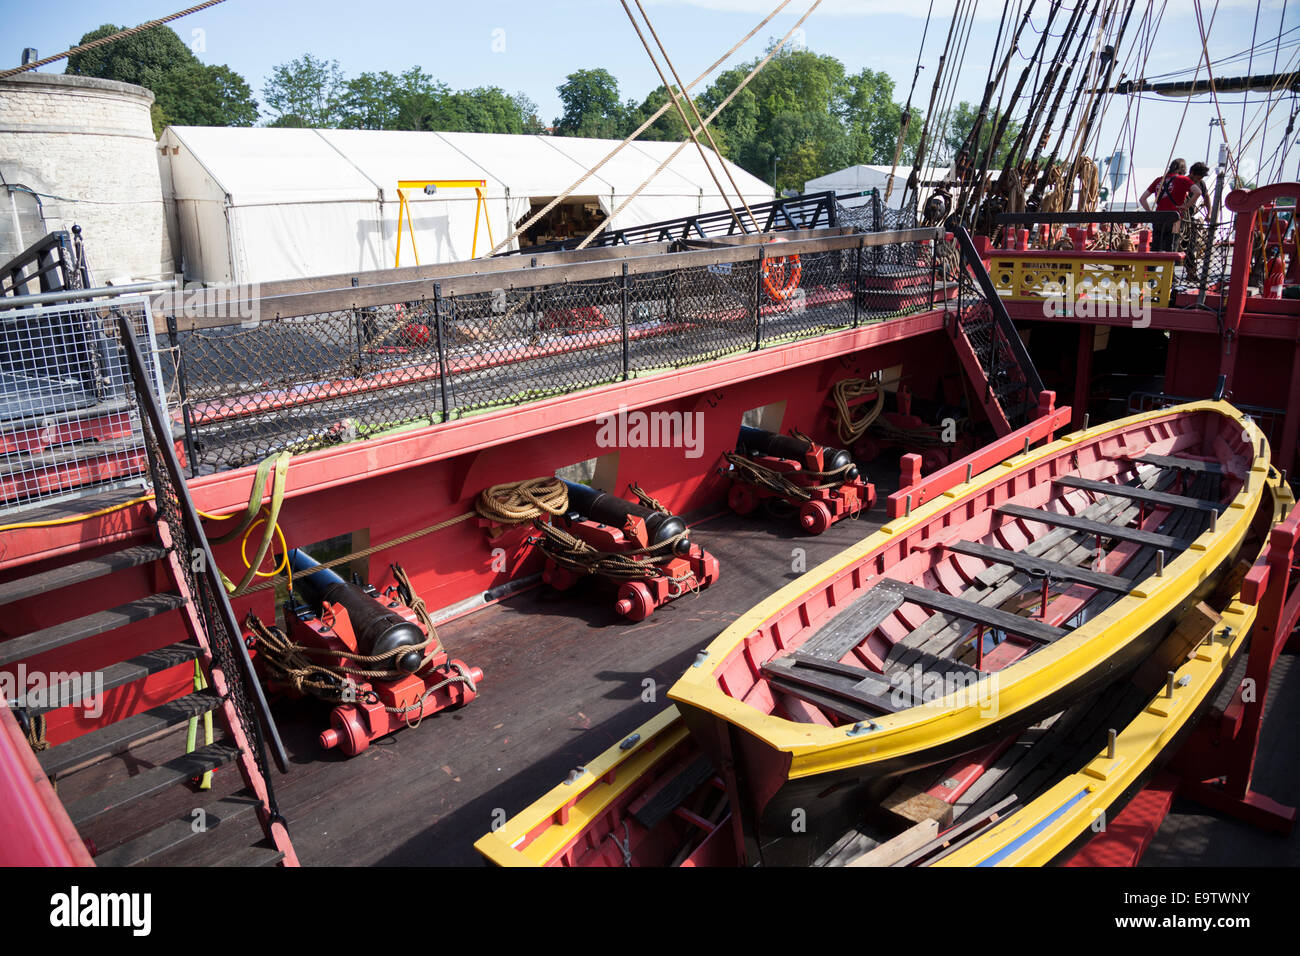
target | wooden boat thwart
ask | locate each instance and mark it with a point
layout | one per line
(1031, 799)
(984, 611)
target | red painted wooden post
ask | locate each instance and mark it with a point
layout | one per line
(1271, 633)
(1046, 409)
(909, 470)
(1246, 205)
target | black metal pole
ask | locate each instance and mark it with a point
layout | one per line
(626, 362)
(442, 349)
(857, 283)
(173, 336)
(358, 323)
(758, 299)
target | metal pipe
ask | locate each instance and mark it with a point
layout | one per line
(79, 295)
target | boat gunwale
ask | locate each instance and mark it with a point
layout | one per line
(1104, 779)
(816, 749)
(509, 844)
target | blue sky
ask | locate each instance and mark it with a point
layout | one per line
(545, 40)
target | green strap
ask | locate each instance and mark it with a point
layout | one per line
(281, 465)
(191, 738)
(255, 496)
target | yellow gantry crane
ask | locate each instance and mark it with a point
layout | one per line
(431, 186)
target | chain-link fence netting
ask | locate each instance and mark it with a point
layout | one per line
(67, 427)
(249, 390)
(1010, 376)
(223, 640)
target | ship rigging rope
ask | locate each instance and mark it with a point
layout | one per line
(575, 554)
(935, 87)
(511, 503)
(776, 48)
(635, 133)
(1173, 144)
(949, 92)
(907, 110)
(297, 665)
(681, 112)
(694, 110)
(120, 35)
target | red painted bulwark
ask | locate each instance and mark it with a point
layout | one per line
(35, 827)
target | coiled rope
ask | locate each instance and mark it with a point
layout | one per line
(844, 391)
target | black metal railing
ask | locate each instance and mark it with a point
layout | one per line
(319, 367)
(1011, 373)
(52, 264)
(201, 576)
(810, 211)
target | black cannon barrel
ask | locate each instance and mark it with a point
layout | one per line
(378, 630)
(787, 446)
(612, 510)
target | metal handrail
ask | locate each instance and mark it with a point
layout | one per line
(80, 295)
(233, 307)
(1001, 318)
(193, 528)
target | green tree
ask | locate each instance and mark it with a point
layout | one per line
(528, 117)
(420, 101)
(196, 94)
(367, 102)
(667, 128)
(186, 91)
(143, 58)
(310, 88)
(960, 124)
(789, 121)
(483, 110)
(872, 119)
(591, 105)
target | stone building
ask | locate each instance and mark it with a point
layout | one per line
(80, 150)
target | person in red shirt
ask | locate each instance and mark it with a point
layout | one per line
(1170, 192)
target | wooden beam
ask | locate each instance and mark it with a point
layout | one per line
(990, 617)
(1145, 495)
(1055, 570)
(903, 845)
(868, 689)
(1184, 464)
(1149, 539)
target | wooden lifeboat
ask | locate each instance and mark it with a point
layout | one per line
(1030, 798)
(993, 607)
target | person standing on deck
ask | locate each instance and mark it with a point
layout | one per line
(1171, 191)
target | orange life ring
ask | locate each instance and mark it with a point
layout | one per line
(781, 275)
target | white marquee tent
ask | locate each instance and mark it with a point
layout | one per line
(261, 204)
(853, 179)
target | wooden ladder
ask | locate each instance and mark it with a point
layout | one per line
(129, 808)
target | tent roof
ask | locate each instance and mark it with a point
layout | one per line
(259, 165)
(526, 164)
(689, 165)
(263, 165)
(628, 169)
(386, 156)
